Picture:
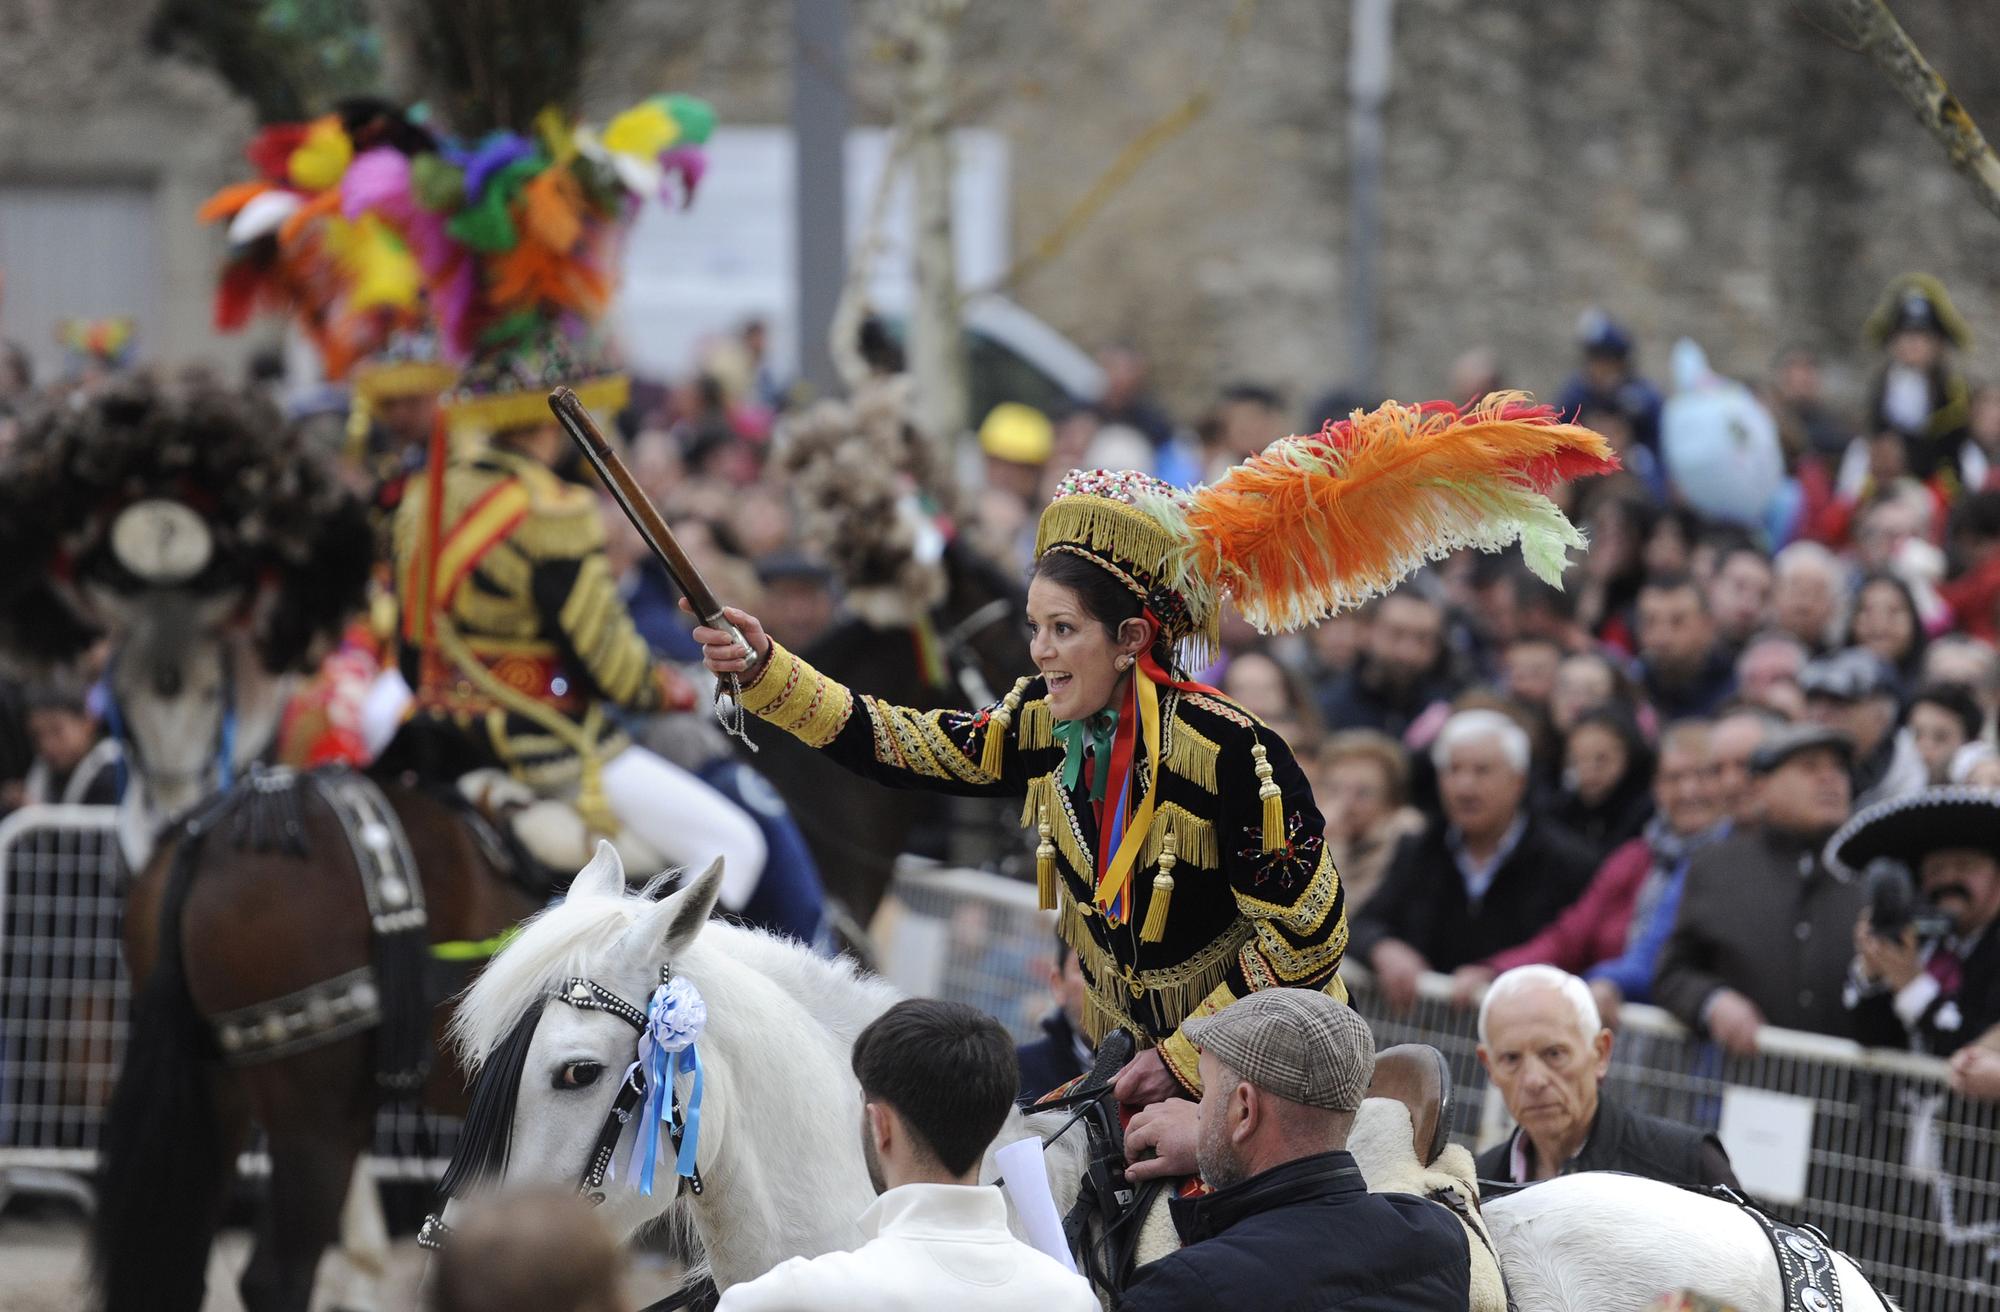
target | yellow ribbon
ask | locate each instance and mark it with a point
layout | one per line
(1119, 873)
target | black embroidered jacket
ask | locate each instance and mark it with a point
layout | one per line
(1240, 919)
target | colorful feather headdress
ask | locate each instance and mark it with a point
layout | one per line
(365, 224)
(1309, 527)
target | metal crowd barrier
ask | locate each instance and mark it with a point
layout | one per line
(1870, 1145)
(63, 1011)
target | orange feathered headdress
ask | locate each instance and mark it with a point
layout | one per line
(1314, 525)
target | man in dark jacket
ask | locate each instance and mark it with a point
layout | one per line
(1486, 876)
(1401, 670)
(1062, 1053)
(1547, 1051)
(1766, 929)
(1935, 987)
(1685, 671)
(1291, 1222)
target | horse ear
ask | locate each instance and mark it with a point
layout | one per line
(603, 877)
(668, 929)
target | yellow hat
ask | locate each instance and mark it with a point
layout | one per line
(1017, 433)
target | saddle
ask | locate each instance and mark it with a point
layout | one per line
(549, 831)
(1415, 1075)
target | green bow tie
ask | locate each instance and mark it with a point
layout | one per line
(1094, 733)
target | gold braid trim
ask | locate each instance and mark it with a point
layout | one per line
(799, 699)
(1044, 791)
(914, 741)
(1037, 725)
(582, 739)
(1176, 989)
(1306, 914)
(1295, 964)
(1192, 756)
(1195, 836)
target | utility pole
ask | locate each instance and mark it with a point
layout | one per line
(1370, 60)
(819, 179)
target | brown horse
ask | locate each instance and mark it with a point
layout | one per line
(222, 920)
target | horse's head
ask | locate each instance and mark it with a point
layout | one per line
(171, 671)
(564, 1055)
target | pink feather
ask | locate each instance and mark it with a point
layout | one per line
(688, 161)
(378, 180)
(453, 301)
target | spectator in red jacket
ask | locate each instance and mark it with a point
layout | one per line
(1630, 886)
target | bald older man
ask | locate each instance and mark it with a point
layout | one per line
(1545, 1048)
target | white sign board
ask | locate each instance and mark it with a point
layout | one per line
(1769, 1138)
(699, 273)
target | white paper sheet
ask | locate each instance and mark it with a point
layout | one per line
(1025, 1177)
(1769, 1138)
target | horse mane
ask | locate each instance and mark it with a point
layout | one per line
(554, 944)
(565, 939)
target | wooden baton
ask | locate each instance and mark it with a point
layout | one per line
(638, 508)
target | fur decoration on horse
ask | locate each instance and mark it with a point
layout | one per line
(202, 492)
(862, 475)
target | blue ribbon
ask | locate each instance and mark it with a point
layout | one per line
(661, 1067)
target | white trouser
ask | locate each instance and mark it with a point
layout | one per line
(685, 820)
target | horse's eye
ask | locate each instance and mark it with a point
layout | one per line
(578, 1075)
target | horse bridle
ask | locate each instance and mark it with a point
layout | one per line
(589, 995)
(132, 752)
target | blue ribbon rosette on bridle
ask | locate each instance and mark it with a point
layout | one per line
(674, 1019)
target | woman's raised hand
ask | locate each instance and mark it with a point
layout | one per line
(720, 651)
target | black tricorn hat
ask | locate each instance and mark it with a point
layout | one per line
(1911, 827)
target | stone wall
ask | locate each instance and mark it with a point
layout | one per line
(1711, 167)
(83, 101)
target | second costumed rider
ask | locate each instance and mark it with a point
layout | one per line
(1178, 839)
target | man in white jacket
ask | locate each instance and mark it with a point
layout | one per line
(937, 1082)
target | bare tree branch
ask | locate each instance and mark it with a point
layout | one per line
(1873, 30)
(1129, 160)
(852, 308)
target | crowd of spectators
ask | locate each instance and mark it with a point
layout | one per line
(1510, 772)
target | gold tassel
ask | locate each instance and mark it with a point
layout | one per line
(1273, 798)
(1155, 927)
(1045, 864)
(994, 750)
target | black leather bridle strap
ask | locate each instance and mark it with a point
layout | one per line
(589, 995)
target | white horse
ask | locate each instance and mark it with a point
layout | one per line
(194, 701)
(779, 1149)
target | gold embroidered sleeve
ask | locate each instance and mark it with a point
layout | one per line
(593, 625)
(799, 699)
(938, 751)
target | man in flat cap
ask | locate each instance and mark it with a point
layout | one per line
(1855, 692)
(1930, 988)
(1282, 1074)
(1765, 928)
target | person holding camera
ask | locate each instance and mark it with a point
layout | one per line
(1926, 972)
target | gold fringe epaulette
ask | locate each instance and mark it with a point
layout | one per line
(1192, 756)
(1038, 725)
(1194, 836)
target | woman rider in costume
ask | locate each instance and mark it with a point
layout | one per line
(1178, 840)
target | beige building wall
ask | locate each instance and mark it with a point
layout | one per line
(1698, 166)
(85, 107)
